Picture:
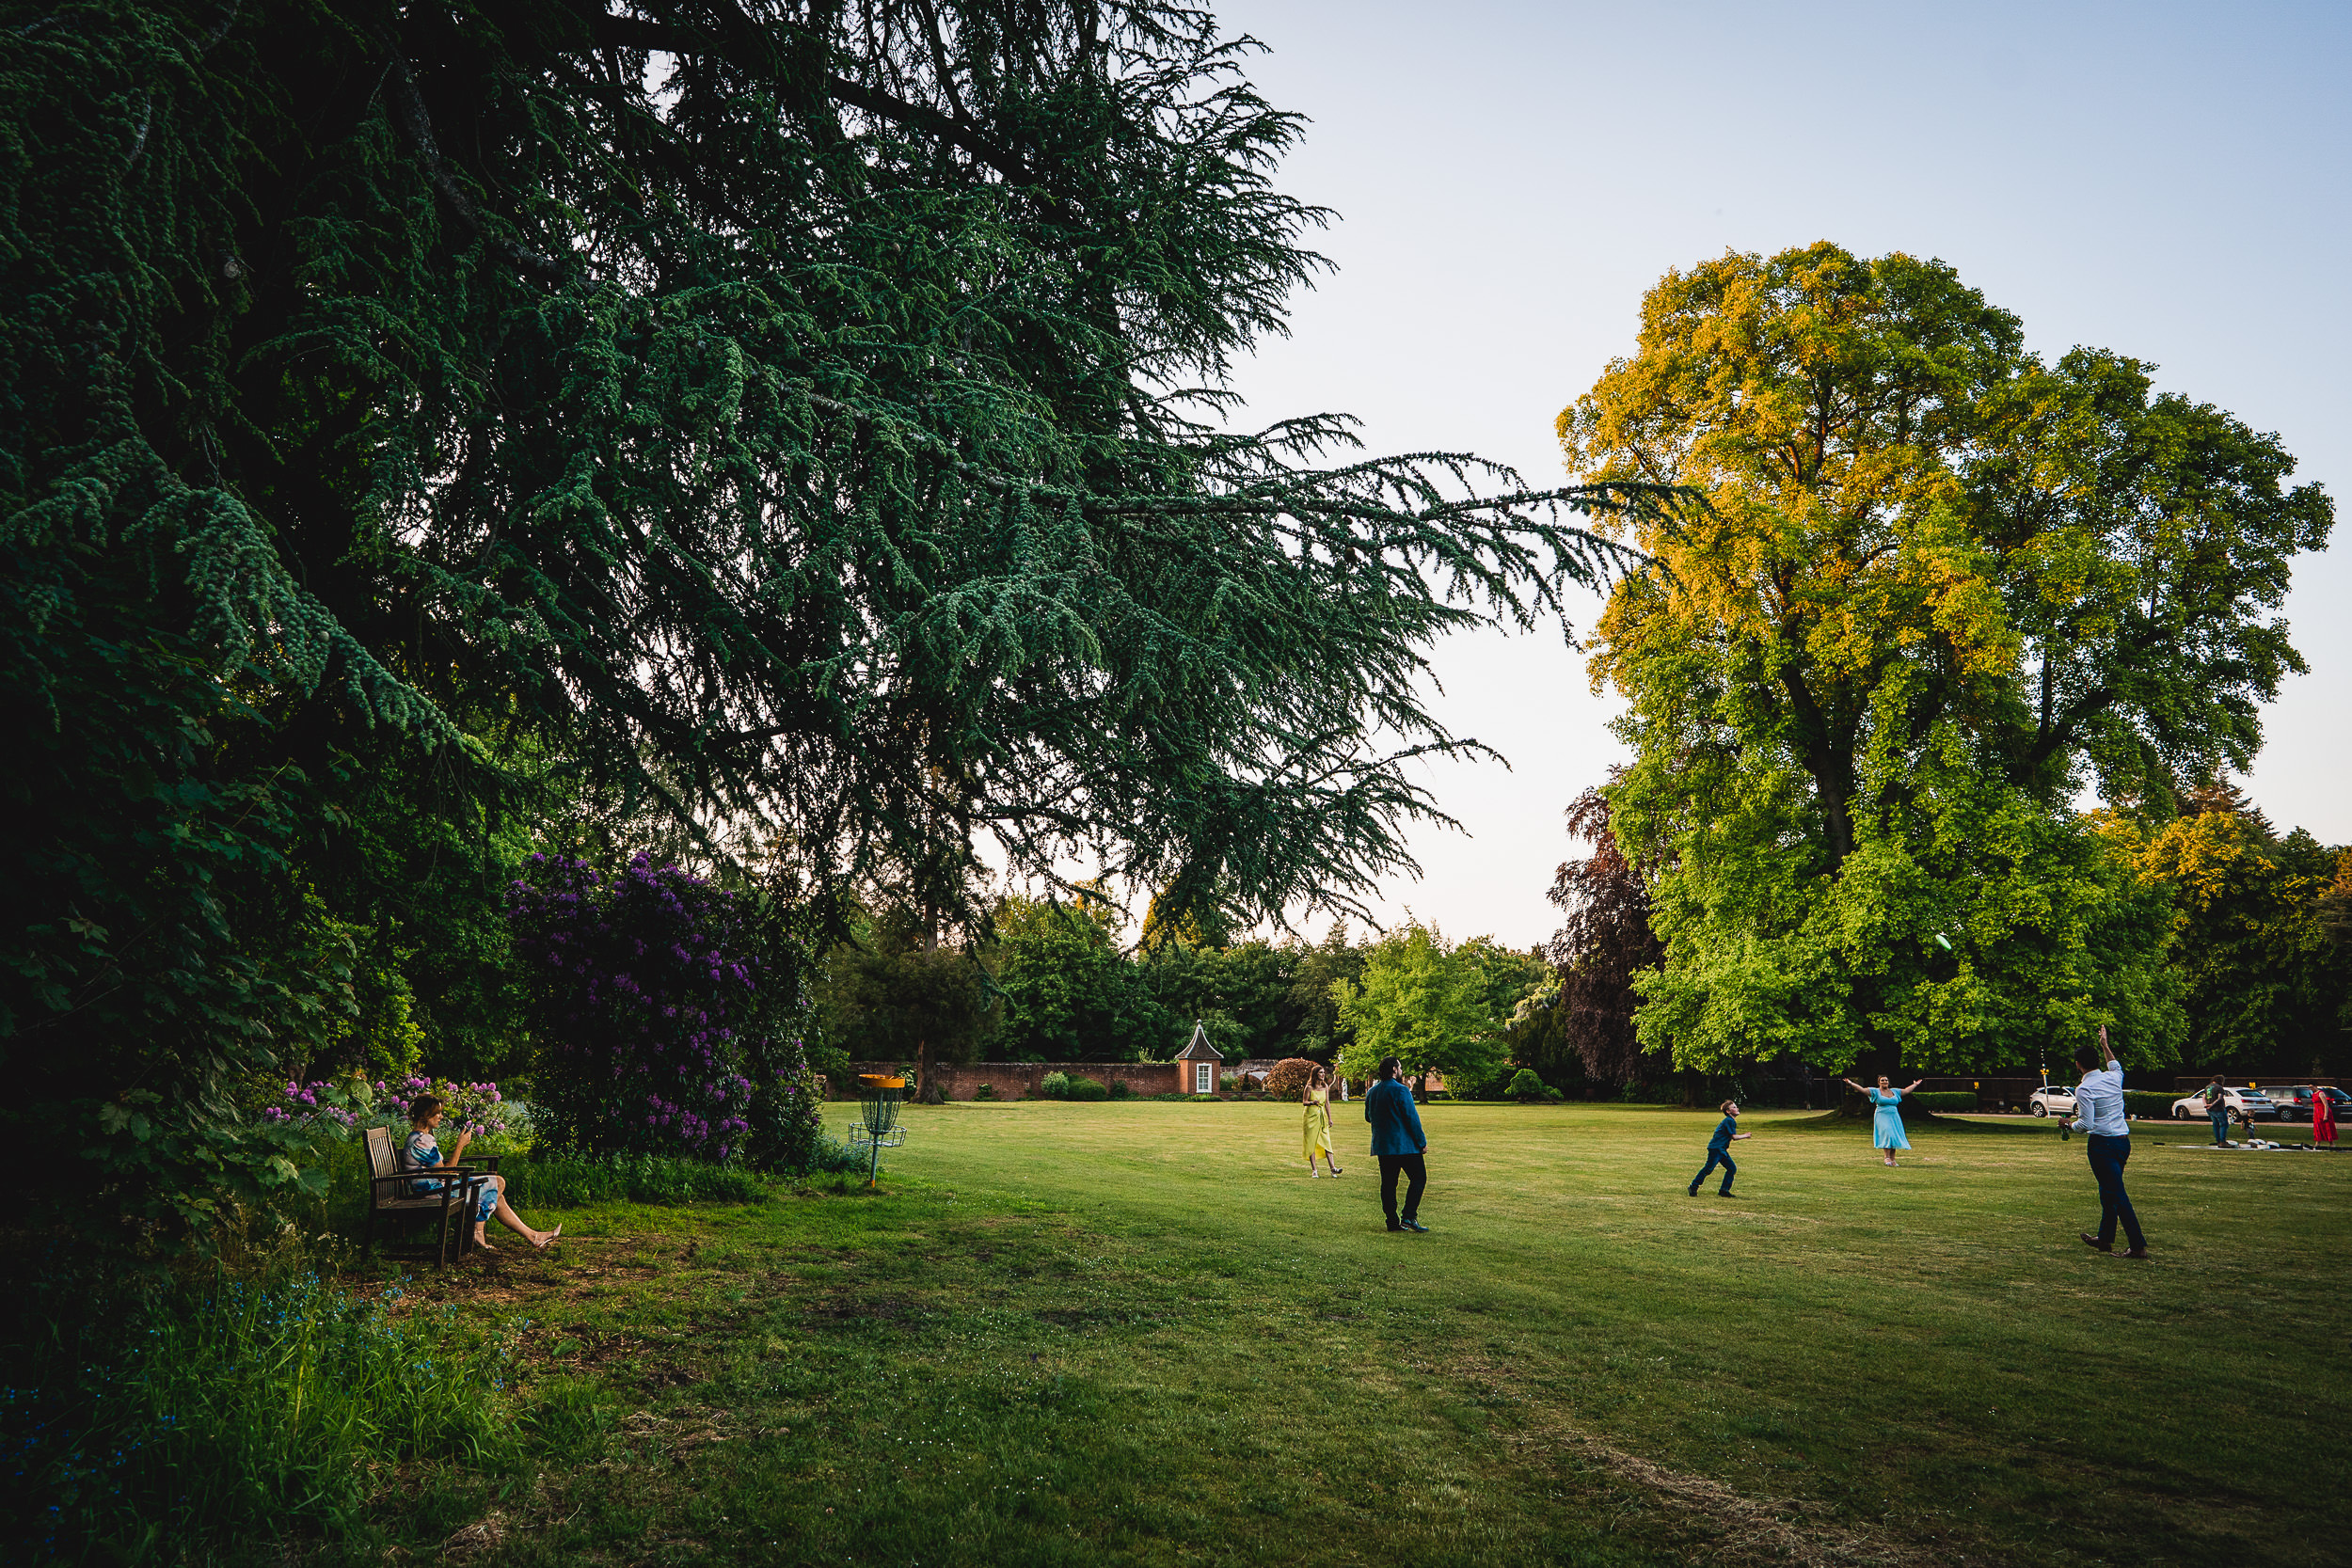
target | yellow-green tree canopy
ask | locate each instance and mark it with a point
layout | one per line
(1937, 588)
(2266, 982)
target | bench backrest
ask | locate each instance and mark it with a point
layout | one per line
(383, 1159)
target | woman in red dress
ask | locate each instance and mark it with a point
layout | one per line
(2323, 1116)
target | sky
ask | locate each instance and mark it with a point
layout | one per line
(2168, 182)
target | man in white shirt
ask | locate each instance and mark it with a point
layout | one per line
(2099, 1112)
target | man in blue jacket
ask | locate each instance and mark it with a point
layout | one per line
(1398, 1142)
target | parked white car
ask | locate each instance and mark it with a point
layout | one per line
(2051, 1099)
(2242, 1102)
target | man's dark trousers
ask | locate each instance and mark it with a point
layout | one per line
(2107, 1163)
(1715, 1157)
(1415, 1177)
(2221, 1124)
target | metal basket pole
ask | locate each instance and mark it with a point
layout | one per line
(878, 1126)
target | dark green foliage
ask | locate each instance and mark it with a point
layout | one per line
(1086, 1088)
(892, 993)
(2154, 1103)
(238, 1408)
(1940, 1099)
(1069, 993)
(794, 435)
(556, 1180)
(2265, 986)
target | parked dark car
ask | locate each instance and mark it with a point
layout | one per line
(2295, 1100)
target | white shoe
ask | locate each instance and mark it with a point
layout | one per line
(1313, 1174)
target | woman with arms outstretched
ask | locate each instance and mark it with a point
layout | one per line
(1886, 1122)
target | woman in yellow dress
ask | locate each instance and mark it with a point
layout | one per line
(1316, 1097)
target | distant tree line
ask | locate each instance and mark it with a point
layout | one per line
(1053, 982)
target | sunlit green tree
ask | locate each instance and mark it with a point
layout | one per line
(1937, 588)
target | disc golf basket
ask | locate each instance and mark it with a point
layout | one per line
(878, 1126)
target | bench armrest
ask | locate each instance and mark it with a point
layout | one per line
(433, 1173)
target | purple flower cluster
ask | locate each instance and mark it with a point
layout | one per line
(313, 1104)
(644, 998)
(476, 1108)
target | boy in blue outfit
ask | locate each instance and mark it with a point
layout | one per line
(1719, 1150)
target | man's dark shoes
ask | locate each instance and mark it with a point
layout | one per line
(1393, 1226)
(1417, 1225)
(1694, 1192)
(2094, 1244)
(1726, 1194)
(2138, 1252)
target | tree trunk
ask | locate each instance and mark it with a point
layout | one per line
(927, 1091)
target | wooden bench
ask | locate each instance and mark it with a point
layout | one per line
(388, 1194)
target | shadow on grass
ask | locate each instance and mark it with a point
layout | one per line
(1931, 1125)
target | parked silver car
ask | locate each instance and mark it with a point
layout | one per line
(2245, 1104)
(2051, 1099)
(2295, 1103)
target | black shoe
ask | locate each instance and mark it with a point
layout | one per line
(1693, 1191)
(1417, 1225)
(1727, 1192)
(2138, 1252)
(2094, 1244)
(1393, 1226)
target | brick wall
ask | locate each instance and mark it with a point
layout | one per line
(1019, 1080)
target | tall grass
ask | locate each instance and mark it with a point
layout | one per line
(567, 1180)
(238, 1408)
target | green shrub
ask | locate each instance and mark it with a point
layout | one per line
(1528, 1089)
(1054, 1085)
(235, 1409)
(1121, 1089)
(543, 1180)
(1942, 1100)
(986, 1091)
(1088, 1088)
(2148, 1104)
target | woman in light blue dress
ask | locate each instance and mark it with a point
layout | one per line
(1887, 1123)
(423, 1152)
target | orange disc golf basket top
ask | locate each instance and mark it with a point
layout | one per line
(878, 1126)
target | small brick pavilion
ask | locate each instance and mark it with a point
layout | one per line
(1198, 1061)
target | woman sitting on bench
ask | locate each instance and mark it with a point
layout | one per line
(423, 1152)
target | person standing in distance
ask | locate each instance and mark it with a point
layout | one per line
(1397, 1142)
(2099, 1112)
(2217, 1110)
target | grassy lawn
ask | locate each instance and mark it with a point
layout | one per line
(1135, 1333)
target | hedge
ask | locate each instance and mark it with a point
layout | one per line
(1941, 1099)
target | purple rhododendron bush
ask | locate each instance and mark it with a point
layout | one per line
(655, 1035)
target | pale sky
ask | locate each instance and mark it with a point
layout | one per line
(2168, 182)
